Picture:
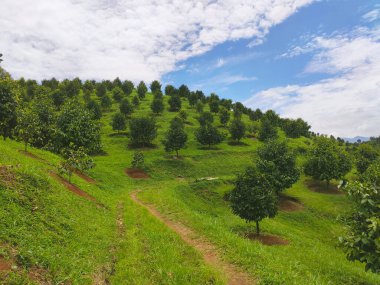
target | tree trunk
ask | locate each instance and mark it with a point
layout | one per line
(257, 228)
(327, 184)
(176, 152)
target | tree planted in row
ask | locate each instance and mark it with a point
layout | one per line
(176, 137)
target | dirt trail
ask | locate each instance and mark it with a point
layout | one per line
(210, 253)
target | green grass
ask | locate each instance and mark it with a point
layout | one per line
(73, 239)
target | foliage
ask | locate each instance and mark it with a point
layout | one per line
(174, 103)
(268, 130)
(169, 90)
(237, 129)
(361, 241)
(278, 164)
(214, 106)
(101, 89)
(295, 128)
(141, 90)
(118, 122)
(126, 107)
(155, 86)
(138, 160)
(224, 116)
(176, 136)
(75, 159)
(106, 102)
(183, 91)
(365, 155)
(253, 198)
(117, 94)
(327, 161)
(136, 101)
(372, 174)
(8, 105)
(142, 131)
(76, 128)
(27, 126)
(183, 115)
(209, 135)
(157, 105)
(127, 87)
(205, 118)
(94, 107)
(199, 107)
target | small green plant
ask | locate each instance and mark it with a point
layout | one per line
(138, 160)
(75, 160)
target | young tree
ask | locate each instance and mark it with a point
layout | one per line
(27, 126)
(117, 94)
(237, 129)
(157, 106)
(94, 107)
(8, 104)
(119, 122)
(199, 107)
(253, 197)
(278, 164)
(142, 131)
(327, 161)
(209, 135)
(268, 130)
(193, 98)
(136, 101)
(183, 115)
(176, 136)
(138, 160)
(117, 83)
(126, 107)
(361, 242)
(75, 159)
(224, 116)
(155, 86)
(127, 87)
(141, 90)
(174, 103)
(169, 90)
(106, 102)
(183, 91)
(214, 106)
(101, 89)
(205, 118)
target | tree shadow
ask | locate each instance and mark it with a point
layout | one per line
(120, 134)
(236, 143)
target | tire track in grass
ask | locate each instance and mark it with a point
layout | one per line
(108, 270)
(210, 253)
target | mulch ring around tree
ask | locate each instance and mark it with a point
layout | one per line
(266, 239)
(72, 188)
(289, 204)
(321, 187)
(136, 173)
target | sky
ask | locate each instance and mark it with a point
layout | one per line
(314, 59)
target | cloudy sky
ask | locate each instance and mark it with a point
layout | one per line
(319, 60)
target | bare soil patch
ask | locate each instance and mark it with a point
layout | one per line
(136, 173)
(7, 177)
(321, 187)
(39, 275)
(267, 239)
(209, 251)
(289, 204)
(85, 176)
(5, 265)
(72, 188)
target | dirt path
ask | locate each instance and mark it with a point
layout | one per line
(235, 276)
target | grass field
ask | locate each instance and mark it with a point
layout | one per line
(49, 234)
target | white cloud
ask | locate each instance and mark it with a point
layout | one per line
(220, 62)
(132, 39)
(346, 104)
(372, 15)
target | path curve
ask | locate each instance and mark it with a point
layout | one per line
(235, 275)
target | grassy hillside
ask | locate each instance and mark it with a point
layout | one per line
(49, 234)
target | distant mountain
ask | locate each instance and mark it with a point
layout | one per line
(355, 139)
